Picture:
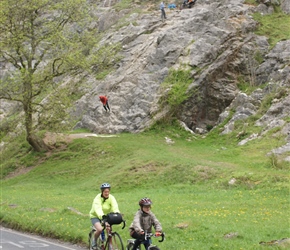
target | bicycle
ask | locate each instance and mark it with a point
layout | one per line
(146, 241)
(112, 240)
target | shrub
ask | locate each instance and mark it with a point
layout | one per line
(176, 84)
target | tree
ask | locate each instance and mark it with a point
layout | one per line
(40, 40)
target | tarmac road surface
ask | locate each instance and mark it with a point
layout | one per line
(14, 240)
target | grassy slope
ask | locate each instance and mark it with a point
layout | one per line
(188, 182)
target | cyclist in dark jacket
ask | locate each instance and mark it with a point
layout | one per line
(143, 222)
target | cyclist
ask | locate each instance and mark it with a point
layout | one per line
(103, 204)
(143, 222)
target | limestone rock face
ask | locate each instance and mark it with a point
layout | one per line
(214, 39)
(285, 5)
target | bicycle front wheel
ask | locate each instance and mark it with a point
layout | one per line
(130, 246)
(153, 248)
(92, 240)
(115, 242)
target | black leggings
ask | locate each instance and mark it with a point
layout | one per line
(107, 107)
(139, 239)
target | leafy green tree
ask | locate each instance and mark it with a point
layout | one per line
(41, 41)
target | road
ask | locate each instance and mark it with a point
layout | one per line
(13, 240)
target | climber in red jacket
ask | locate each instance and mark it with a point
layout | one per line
(105, 102)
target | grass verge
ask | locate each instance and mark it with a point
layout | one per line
(188, 182)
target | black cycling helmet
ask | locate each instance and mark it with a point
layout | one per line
(145, 202)
(104, 186)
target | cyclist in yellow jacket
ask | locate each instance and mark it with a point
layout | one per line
(103, 204)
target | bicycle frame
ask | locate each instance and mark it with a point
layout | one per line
(110, 234)
(112, 238)
(147, 240)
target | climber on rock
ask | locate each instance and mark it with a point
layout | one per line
(104, 100)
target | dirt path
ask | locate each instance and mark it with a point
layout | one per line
(52, 138)
(57, 141)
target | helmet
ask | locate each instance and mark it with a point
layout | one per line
(105, 185)
(145, 202)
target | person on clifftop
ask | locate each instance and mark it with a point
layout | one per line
(105, 102)
(162, 8)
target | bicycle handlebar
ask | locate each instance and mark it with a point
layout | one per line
(104, 224)
(163, 237)
(154, 235)
(124, 224)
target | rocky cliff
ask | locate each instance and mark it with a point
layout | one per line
(215, 40)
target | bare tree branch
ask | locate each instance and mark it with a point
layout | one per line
(11, 59)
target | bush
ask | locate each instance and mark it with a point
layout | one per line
(176, 84)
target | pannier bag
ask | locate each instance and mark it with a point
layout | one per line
(114, 218)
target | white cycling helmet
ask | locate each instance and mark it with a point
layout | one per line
(105, 185)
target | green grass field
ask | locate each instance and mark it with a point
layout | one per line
(187, 181)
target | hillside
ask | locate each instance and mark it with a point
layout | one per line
(204, 66)
(199, 122)
(207, 192)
